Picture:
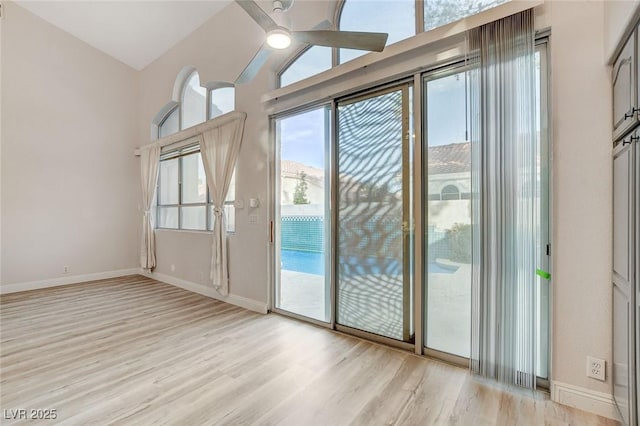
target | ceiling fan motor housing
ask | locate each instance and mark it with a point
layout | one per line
(282, 5)
(279, 17)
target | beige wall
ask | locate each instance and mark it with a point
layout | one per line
(581, 134)
(69, 179)
(618, 16)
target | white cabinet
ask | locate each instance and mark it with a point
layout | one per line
(626, 112)
(625, 286)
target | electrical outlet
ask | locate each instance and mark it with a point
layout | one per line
(172, 267)
(66, 269)
(596, 368)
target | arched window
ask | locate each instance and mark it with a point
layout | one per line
(441, 12)
(170, 124)
(312, 61)
(193, 102)
(183, 200)
(222, 99)
(400, 19)
(397, 18)
(450, 192)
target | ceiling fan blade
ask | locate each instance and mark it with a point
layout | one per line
(254, 66)
(257, 14)
(346, 39)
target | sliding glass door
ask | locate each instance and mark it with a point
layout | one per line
(447, 215)
(343, 243)
(447, 218)
(373, 279)
(302, 219)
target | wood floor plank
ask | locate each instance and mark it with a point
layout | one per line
(131, 350)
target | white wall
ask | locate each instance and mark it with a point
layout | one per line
(69, 179)
(582, 192)
(618, 16)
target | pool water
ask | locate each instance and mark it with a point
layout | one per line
(308, 262)
(314, 263)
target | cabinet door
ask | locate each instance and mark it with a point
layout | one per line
(636, 193)
(637, 77)
(624, 93)
(623, 303)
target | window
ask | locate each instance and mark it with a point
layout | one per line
(221, 100)
(312, 61)
(397, 18)
(196, 104)
(193, 102)
(450, 192)
(183, 197)
(171, 123)
(441, 12)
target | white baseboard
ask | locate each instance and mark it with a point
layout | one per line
(243, 302)
(584, 399)
(66, 280)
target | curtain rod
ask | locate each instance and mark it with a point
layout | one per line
(193, 131)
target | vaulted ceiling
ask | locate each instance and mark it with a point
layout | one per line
(134, 32)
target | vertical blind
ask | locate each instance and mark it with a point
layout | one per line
(504, 186)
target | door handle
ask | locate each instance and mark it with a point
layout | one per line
(631, 112)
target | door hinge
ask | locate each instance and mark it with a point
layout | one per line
(548, 249)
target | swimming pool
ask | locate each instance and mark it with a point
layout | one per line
(314, 263)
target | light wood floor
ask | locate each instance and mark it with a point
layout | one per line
(135, 351)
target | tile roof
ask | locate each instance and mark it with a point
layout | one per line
(451, 158)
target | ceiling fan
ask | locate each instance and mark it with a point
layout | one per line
(279, 35)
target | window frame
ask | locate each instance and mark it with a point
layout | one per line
(182, 80)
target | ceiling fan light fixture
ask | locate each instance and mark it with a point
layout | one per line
(279, 38)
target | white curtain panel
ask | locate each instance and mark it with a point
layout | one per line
(505, 195)
(219, 148)
(149, 165)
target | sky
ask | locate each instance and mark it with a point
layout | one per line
(302, 136)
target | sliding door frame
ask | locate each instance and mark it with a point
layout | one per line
(274, 197)
(405, 85)
(422, 215)
(417, 230)
(542, 43)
